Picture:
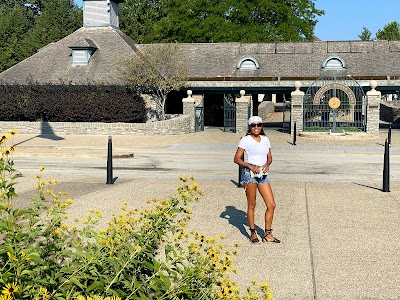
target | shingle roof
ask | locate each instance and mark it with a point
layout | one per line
(53, 63)
(212, 61)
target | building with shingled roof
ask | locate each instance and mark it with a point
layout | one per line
(266, 71)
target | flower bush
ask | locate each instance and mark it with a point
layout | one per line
(140, 254)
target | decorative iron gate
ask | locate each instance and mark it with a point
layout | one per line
(229, 113)
(199, 116)
(334, 103)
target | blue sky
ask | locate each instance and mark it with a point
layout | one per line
(344, 19)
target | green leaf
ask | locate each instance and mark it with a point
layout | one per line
(76, 281)
(97, 285)
(27, 272)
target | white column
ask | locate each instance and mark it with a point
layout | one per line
(189, 109)
(297, 109)
(373, 103)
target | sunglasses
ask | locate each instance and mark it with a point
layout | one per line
(257, 124)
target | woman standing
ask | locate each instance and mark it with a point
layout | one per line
(254, 176)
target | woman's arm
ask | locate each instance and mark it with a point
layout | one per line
(269, 161)
(238, 160)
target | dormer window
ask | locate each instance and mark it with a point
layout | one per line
(248, 64)
(334, 62)
(82, 54)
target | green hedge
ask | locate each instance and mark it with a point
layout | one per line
(71, 103)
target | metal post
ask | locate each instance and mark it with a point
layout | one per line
(109, 162)
(240, 173)
(390, 135)
(386, 173)
(294, 134)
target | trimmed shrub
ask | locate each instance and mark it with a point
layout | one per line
(70, 103)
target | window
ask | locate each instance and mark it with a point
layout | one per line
(248, 64)
(333, 62)
(81, 57)
(82, 54)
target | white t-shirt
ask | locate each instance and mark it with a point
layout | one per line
(256, 152)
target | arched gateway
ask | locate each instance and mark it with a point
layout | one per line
(335, 103)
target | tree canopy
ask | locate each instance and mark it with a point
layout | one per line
(26, 26)
(155, 21)
(156, 72)
(365, 34)
(390, 31)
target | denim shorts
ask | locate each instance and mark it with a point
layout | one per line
(246, 178)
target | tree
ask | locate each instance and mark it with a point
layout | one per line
(156, 71)
(390, 31)
(58, 19)
(26, 26)
(15, 22)
(157, 21)
(137, 17)
(365, 35)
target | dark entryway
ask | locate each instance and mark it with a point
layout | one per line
(174, 102)
(214, 110)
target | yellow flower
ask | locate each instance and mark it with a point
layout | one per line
(3, 138)
(45, 294)
(12, 256)
(12, 132)
(41, 169)
(10, 289)
(25, 256)
(7, 151)
(57, 232)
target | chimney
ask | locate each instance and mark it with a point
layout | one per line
(101, 13)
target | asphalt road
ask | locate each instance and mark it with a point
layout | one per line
(290, 163)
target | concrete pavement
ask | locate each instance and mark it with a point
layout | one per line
(340, 232)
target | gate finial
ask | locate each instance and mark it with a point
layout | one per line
(373, 84)
(297, 85)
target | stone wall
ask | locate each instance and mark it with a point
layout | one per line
(265, 108)
(178, 125)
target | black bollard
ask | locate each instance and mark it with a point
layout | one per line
(240, 173)
(386, 173)
(294, 134)
(390, 135)
(109, 162)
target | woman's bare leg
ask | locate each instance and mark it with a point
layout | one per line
(251, 193)
(268, 197)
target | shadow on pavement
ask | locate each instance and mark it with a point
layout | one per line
(238, 218)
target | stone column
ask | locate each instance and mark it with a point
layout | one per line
(373, 103)
(242, 113)
(189, 109)
(297, 109)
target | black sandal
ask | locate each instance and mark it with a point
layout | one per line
(254, 240)
(269, 232)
